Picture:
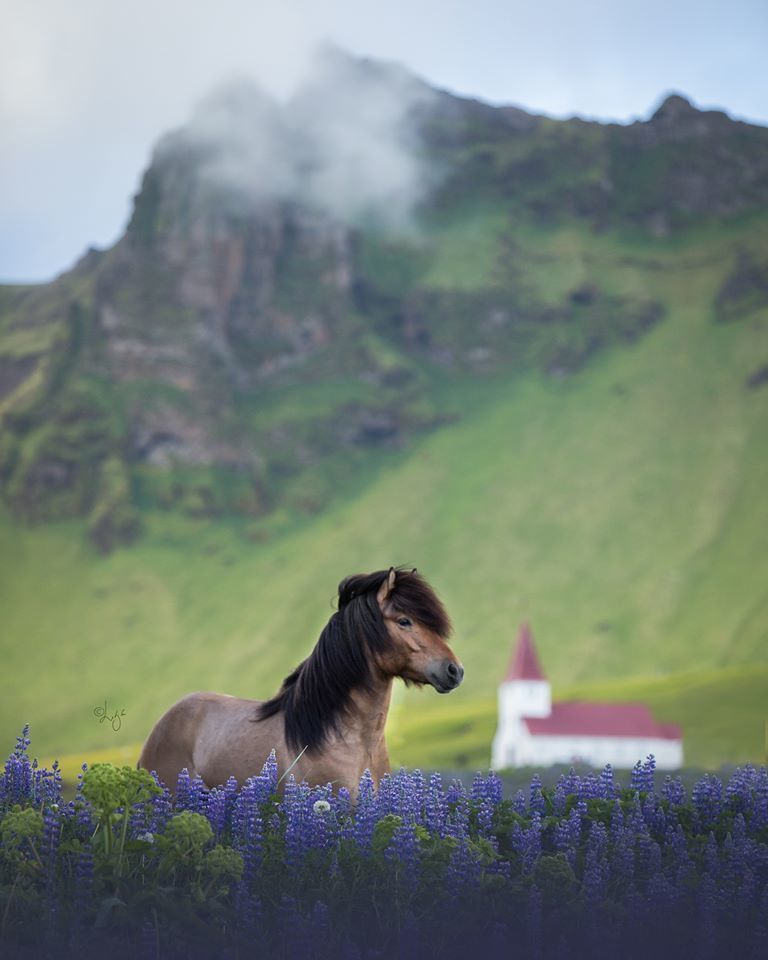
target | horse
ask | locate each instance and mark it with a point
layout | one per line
(326, 723)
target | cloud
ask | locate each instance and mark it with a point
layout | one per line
(345, 142)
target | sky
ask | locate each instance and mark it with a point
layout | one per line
(88, 86)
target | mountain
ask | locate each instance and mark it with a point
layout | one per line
(382, 323)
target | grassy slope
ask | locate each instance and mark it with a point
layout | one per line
(621, 510)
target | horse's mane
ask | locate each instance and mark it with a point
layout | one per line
(315, 697)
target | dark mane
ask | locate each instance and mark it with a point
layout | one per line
(315, 697)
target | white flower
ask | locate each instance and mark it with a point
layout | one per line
(146, 837)
(321, 806)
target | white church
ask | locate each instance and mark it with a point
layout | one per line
(533, 731)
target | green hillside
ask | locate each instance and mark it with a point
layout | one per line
(620, 507)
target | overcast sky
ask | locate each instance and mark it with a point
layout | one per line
(87, 86)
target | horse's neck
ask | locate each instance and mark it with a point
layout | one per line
(367, 715)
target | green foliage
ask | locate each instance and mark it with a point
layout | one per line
(109, 788)
(21, 827)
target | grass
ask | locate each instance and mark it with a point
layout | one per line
(620, 510)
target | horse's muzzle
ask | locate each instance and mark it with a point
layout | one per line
(447, 676)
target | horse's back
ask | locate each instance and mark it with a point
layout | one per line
(211, 734)
(170, 746)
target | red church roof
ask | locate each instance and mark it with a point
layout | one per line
(524, 664)
(601, 720)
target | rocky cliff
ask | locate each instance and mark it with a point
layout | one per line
(246, 329)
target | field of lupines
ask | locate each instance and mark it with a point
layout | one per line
(415, 868)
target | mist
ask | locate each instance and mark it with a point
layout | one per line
(345, 142)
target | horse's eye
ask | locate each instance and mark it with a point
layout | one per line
(404, 622)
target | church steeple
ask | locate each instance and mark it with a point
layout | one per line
(524, 664)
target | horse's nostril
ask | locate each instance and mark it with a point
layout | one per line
(453, 671)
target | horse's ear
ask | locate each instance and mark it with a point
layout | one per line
(387, 586)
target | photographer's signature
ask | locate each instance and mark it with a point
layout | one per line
(115, 720)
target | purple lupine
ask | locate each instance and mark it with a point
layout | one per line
(607, 786)
(417, 787)
(485, 810)
(649, 773)
(183, 785)
(672, 790)
(707, 796)
(46, 784)
(519, 804)
(759, 816)
(571, 782)
(83, 811)
(622, 861)
(676, 840)
(653, 814)
(51, 840)
(198, 795)
(494, 787)
(220, 806)
(254, 793)
(637, 821)
(405, 800)
(455, 791)
(435, 810)
(17, 777)
(251, 847)
(269, 773)
(477, 790)
(712, 857)
(527, 842)
(160, 809)
(595, 866)
(463, 871)
(298, 826)
(568, 834)
(536, 802)
(560, 798)
(457, 818)
(365, 812)
(637, 780)
(648, 856)
(594, 877)
(589, 787)
(403, 851)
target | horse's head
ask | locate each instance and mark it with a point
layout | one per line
(417, 625)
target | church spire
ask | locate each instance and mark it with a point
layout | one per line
(524, 664)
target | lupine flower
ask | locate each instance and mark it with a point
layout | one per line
(707, 797)
(673, 790)
(403, 850)
(607, 786)
(435, 808)
(568, 834)
(536, 803)
(463, 871)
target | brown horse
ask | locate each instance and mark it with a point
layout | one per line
(331, 711)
